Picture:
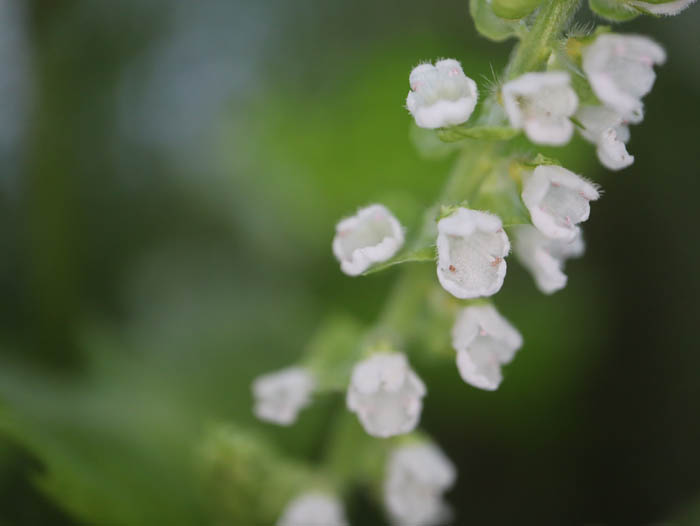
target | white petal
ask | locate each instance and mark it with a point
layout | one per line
(417, 476)
(484, 340)
(313, 509)
(558, 200)
(541, 104)
(441, 95)
(471, 250)
(279, 396)
(620, 71)
(544, 257)
(612, 152)
(371, 236)
(386, 394)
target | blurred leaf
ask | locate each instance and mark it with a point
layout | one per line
(613, 10)
(489, 24)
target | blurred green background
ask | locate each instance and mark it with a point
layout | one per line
(172, 174)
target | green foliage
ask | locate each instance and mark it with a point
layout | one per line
(491, 25)
(514, 9)
(488, 133)
(414, 255)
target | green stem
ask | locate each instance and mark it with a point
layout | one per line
(534, 50)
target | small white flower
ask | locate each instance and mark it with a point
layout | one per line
(471, 249)
(558, 200)
(371, 236)
(541, 104)
(313, 509)
(620, 69)
(667, 8)
(279, 396)
(441, 95)
(386, 394)
(484, 340)
(417, 477)
(544, 257)
(609, 132)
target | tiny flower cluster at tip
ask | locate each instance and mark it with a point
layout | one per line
(484, 341)
(417, 476)
(371, 236)
(441, 95)
(386, 394)
(280, 395)
(313, 509)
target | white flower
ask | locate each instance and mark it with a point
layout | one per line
(371, 236)
(417, 477)
(484, 340)
(667, 8)
(541, 104)
(544, 257)
(620, 71)
(313, 509)
(471, 249)
(558, 200)
(280, 395)
(386, 394)
(441, 95)
(609, 132)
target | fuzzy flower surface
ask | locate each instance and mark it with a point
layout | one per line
(441, 95)
(313, 509)
(417, 477)
(386, 394)
(472, 247)
(558, 200)
(606, 129)
(544, 257)
(541, 104)
(663, 8)
(484, 341)
(371, 236)
(620, 69)
(279, 396)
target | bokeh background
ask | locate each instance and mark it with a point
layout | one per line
(171, 175)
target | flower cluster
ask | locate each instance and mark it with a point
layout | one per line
(502, 196)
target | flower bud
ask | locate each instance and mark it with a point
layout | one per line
(371, 236)
(417, 476)
(441, 95)
(544, 257)
(484, 340)
(471, 250)
(541, 104)
(386, 394)
(313, 509)
(558, 200)
(620, 69)
(279, 396)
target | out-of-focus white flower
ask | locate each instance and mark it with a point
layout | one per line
(417, 477)
(606, 129)
(441, 95)
(666, 8)
(471, 249)
(558, 200)
(371, 236)
(386, 394)
(279, 396)
(544, 257)
(313, 509)
(484, 340)
(541, 104)
(620, 69)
